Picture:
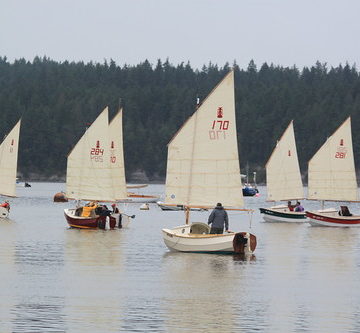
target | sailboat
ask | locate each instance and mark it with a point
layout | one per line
(203, 169)
(8, 167)
(95, 171)
(332, 177)
(283, 180)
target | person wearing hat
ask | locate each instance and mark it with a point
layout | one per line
(218, 218)
(115, 209)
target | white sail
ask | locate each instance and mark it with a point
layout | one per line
(117, 156)
(88, 165)
(8, 162)
(203, 162)
(332, 169)
(283, 178)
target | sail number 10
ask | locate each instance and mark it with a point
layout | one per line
(218, 129)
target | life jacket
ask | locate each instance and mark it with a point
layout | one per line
(86, 212)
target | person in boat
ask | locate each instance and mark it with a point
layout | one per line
(6, 205)
(344, 211)
(102, 210)
(299, 207)
(218, 218)
(116, 210)
(89, 210)
(290, 206)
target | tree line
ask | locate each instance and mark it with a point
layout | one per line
(57, 100)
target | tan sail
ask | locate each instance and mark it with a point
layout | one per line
(283, 178)
(88, 165)
(203, 162)
(8, 161)
(117, 156)
(332, 169)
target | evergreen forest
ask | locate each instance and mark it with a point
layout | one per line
(57, 101)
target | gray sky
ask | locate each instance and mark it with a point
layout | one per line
(283, 32)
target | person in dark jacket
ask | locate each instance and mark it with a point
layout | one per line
(217, 219)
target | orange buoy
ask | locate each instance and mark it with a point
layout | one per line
(60, 197)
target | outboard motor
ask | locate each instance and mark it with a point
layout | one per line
(239, 242)
(102, 222)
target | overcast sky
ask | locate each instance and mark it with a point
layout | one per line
(283, 32)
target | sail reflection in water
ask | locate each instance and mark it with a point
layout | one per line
(221, 284)
(91, 298)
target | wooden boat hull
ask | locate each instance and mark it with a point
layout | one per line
(332, 219)
(180, 239)
(4, 213)
(140, 198)
(98, 222)
(175, 208)
(282, 214)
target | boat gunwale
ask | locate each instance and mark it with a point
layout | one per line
(354, 219)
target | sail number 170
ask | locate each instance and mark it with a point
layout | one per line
(218, 129)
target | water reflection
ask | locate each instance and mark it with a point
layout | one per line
(93, 274)
(208, 291)
(8, 272)
(39, 317)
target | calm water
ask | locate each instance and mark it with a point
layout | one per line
(55, 279)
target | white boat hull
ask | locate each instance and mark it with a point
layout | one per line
(180, 239)
(331, 218)
(4, 213)
(282, 214)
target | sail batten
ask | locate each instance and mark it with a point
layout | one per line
(203, 163)
(8, 161)
(283, 178)
(89, 174)
(332, 169)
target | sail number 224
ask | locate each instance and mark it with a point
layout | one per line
(218, 129)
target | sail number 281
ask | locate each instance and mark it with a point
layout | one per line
(218, 129)
(340, 154)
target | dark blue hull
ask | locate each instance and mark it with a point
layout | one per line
(249, 191)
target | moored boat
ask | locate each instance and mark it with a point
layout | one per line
(249, 191)
(174, 207)
(332, 177)
(139, 198)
